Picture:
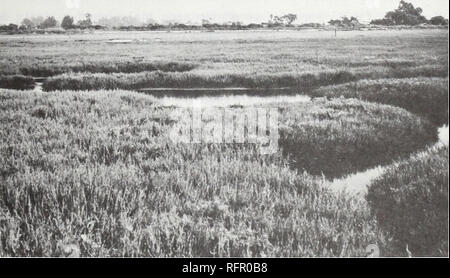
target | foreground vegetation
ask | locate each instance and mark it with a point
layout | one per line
(410, 201)
(97, 170)
(423, 96)
(341, 137)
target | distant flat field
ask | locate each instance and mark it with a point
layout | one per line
(246, 52)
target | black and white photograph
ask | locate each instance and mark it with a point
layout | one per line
(228, 129)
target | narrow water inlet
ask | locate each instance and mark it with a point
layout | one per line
(358, 183)
(38, 83)
(230, 100)
(38, 87)
(443, 134)
(354, 184)
(228, 97)
(218, 92)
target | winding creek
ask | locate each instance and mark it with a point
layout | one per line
(353, 184)
(356, 184)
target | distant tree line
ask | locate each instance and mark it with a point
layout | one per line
(40, 23)
(130, 23)
(405, 14)
(86, 23)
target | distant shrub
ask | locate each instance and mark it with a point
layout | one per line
(424, 96)
(11, 28)
(410, 201)
(18, 82)
(438, 20)
(383, 21)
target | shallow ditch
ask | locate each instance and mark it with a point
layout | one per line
(358, 183)
(354, 183)
(239, 97)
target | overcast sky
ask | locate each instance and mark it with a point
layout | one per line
(218, 10)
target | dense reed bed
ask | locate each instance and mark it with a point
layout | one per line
(109, 67)
(190, 80)
(47, 69)
(340, 137)
(302, 82)
(410, 201)
(97, 170)
(427, 97)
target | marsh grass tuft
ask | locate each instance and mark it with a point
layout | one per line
(341, 137)
(427, 97)
(410, 202)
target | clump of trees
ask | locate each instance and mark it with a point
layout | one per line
(407, 14)
(310, 25)
(49, 22)
(85, 23)
(285, 20)
(38, 22)
(438, 20)
(9, 28)
(345, 22)
(67, 22)
(27, 24)
(30, 24)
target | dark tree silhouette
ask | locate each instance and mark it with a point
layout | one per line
(405, 14)
(49, 22)
(67, 22)
(438, 20)
(27, 24)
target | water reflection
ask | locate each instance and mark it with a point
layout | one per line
(230, 100)
(359, 182)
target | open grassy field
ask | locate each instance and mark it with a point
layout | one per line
(226, 58)
(411, 197)
(87, 166)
